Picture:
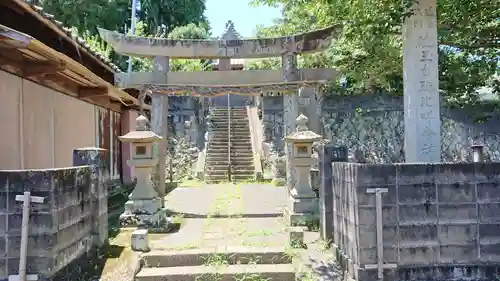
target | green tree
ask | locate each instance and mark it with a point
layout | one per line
(189, 31)
(170, 14)
(154, 17)
(87, 15)
(368, 50)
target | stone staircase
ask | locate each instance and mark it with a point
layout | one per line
(236, 151)
(224, 264)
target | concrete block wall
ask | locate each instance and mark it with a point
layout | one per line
(67, 225)
(439, 221)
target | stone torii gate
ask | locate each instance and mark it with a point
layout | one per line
(162, 83)
(420, 66)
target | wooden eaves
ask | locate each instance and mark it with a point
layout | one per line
(29, 58)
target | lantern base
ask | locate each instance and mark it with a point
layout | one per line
(155, 222)
(143, 206)
(301, 210)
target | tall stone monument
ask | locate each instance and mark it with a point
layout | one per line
(302, 198)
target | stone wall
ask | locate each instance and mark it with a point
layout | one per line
(372, 127)
(272, 120)
(439, 221)
(69, 223)
(184, 109)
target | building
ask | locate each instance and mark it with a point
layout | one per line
(57, 94)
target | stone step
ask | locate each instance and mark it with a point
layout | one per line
(233, 145)
(274, 272)
(221, 131)
(234, 151)
(232, 255)
(243, 123)
(241, 138)
(219, 170)
(234, 157)
(224, 110)
(222, 157)
(234, 142)
(234, 134)
(234, 127)
(214, 172)
(226, 117)
(235, 160)
(241, 178)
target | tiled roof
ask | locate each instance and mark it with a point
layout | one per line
(230, 32)
(80, 41)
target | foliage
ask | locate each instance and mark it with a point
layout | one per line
(368, 50)
(170, 14)
(190, 31)
(179, 160)
(154, 17)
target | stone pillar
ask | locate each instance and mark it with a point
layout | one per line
(421, 85)
(159, 124)
(224, 64)
(96, 158)
(290, 111)
(325, 153)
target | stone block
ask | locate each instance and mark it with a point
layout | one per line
(156, 222)
(296, 236)
(418, 193)
(416, 173)
(488, 192)
(140, 240)
(488, 213)
(374, 174)
(303, 205)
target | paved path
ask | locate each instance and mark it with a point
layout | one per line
(226, 215)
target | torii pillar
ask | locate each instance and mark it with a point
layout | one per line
(290, 112)
(159, 123)
(421, 85)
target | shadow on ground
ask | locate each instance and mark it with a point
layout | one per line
(224, 216)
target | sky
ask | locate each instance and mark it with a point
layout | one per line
(245, 17)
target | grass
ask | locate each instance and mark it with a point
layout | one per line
(191, 183)
(233, 230)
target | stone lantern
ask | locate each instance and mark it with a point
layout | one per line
(144, 207)
(303, 199)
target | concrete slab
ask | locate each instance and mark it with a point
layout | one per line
(227, 215)
(275, 272)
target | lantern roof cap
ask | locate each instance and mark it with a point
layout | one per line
(142, 132)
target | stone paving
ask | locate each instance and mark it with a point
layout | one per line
(226, 215)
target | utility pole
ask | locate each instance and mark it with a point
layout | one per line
(132, 30)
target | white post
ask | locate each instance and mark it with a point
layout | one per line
(23, 252)
(421, 85)
(379, 222)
